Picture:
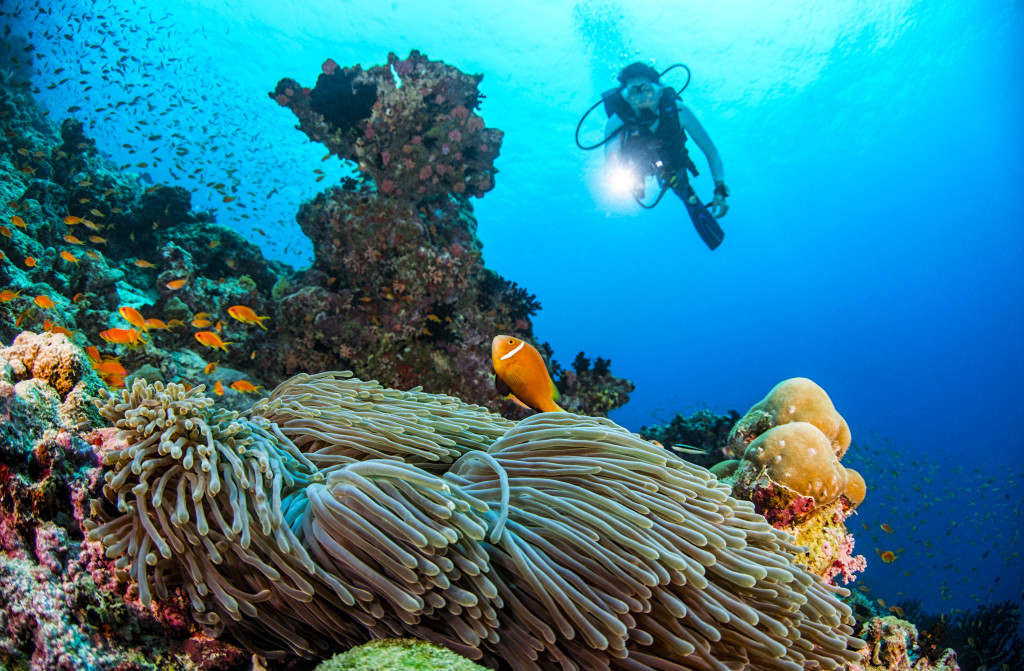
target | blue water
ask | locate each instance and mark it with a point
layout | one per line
(875, 241)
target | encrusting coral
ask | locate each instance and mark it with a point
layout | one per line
(558, 541)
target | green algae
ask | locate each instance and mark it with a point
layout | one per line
(399, 654)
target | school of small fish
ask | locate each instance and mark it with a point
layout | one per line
(149, 100)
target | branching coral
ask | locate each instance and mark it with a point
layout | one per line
(566, 541)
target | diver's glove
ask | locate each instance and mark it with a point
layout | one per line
(719, 204)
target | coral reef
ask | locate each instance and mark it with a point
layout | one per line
(893, 646)
(398, 290)
(703, 431)
(326, 533)
(411, 124)
(789, 468)
(61, 604)
(986, 637)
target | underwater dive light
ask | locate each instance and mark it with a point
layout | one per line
(622, 180)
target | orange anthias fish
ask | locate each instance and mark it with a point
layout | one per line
(110, 367)
(129, 337)
(247, 315)
(51, 327)
(134, 317)
(211, 339)
(218, 388)
(245, 387)
(45, 302)
(520, 371)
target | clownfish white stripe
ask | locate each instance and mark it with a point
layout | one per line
(518, 347)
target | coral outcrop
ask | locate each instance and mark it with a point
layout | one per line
(401, 654)
(702, 434)
(893, 646)
(411, 124)
(398, 290)
(789, 468)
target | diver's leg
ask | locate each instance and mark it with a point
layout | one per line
(707, 226)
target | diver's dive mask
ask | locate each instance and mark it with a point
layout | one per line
(641, 94)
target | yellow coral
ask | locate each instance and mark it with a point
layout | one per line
(856, 488)
(799, 457)
(797, 399)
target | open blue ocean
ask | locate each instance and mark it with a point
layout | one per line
(874, 242)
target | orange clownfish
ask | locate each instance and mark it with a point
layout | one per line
(520, 371)
(247, 315)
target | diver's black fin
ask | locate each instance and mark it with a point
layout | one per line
(705, 223)
(503, 389)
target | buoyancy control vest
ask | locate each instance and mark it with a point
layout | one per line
(668, 137)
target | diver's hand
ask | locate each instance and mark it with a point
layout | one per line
(719, 206)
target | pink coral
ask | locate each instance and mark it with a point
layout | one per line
(455, 135)
(847, 565)
(329, 66)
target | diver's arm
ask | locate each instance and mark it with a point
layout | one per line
(612, 147)
(689, 122)
(719, 206)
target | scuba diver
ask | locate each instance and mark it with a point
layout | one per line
(650, 122)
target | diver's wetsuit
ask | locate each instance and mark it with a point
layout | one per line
(656, 143)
